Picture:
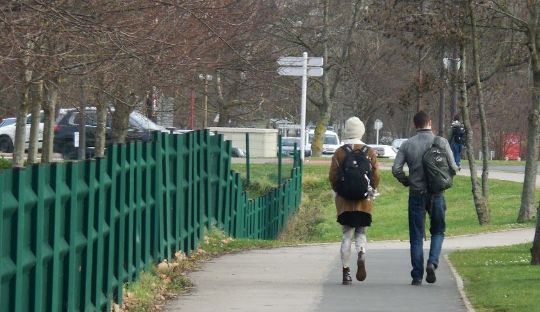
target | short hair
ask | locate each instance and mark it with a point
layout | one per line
(456, 117)
(421, 119)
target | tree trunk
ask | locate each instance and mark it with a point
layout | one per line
(101, 127)
(531, 165)
(535, 250)
(49, 109)
(20, 130)
(329, 86)
(221, 102)
(325, 108)
(120, 116)
(480, 103)
(20, 127)
(35, 130)
(479, 203)
(82, 122)
(101, 118)
(454, 90)
(442, 90)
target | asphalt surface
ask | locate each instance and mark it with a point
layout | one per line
(308, 278)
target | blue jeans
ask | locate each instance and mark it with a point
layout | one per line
(435, 206)
(456, 150)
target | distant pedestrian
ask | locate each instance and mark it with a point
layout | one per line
(421, 200)
(457, 138)
(354, 176)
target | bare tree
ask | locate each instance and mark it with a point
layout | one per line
(525, 19)
(479, 201)
(485, 218)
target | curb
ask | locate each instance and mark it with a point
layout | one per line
(459, 283)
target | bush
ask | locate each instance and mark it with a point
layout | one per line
(4, 163)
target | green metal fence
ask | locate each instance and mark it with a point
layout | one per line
(71, 234)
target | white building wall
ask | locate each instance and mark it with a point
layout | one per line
(262, 142)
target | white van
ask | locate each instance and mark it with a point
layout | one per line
(331, 141)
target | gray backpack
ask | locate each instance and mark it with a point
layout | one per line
(437, 170)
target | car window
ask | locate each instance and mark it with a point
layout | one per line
(290, 142)
(90, 118)
(330, 139)
(140, 121)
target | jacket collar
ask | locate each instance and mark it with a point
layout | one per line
(424, 130)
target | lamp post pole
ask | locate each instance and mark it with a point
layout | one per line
(205, 124)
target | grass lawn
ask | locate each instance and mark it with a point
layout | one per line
(499, 279)
(390, 213)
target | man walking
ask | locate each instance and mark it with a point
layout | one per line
(420, 199)
(457, 139)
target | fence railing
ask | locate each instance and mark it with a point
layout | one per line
(71, 234)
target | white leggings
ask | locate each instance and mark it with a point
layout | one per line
(360, 242)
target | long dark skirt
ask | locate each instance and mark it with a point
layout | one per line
(354, 218)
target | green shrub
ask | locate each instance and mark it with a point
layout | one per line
(4, 163)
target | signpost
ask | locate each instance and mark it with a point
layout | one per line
(301, 66)
(377, 125)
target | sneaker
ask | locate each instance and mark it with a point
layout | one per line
(416, 282)
(430, 270)
(361, 262)
(347, 280)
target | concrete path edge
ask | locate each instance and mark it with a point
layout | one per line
(460, 286)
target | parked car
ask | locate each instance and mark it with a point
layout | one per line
(7, 135)
(238, 152)
(67, 124)
(331, 141)
(397, 143)
(287, 146)
(384, 151)
(7, 121)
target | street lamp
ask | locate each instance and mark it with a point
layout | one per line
(453, 65)
(206, 78)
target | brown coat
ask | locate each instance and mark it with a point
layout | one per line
(342, 204)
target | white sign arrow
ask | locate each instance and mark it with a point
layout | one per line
(298, 61)
(299, 71)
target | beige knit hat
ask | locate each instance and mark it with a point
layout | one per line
(354, 128)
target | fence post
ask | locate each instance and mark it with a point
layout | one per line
(280, 156)
(247, 159)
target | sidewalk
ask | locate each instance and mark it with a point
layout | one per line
(308, 278)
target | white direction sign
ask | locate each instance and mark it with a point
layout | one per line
(304, 67)
(299, 61)
(299, 71)
(377, 125)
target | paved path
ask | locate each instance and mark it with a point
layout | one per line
(308, 278)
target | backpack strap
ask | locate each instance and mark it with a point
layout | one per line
(365, 149)
(347, 148)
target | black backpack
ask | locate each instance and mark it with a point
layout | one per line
(354, 180)
(437, 170)
(457, 133)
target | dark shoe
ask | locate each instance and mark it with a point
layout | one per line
(416, 282)
(430, 270)
(347, 280)
(361, 263)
